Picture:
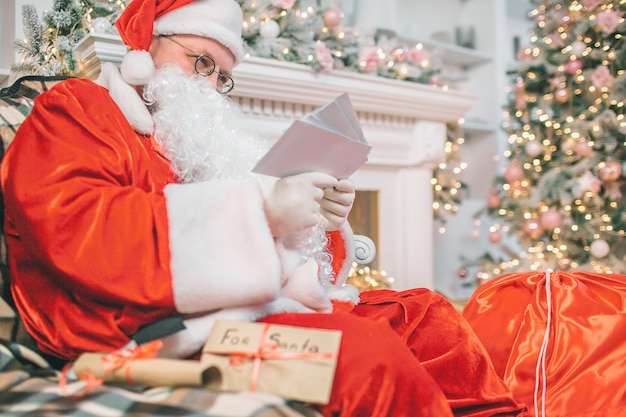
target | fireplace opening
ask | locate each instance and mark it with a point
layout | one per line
(364, 218)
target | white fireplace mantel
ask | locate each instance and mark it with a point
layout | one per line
(404, 122)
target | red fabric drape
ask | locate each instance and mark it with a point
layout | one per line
(408, 354)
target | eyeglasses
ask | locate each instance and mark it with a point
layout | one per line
(205, 66)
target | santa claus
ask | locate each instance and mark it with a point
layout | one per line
(129, 201)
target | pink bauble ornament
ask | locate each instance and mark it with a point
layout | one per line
(332, 18)
(435, 79)
(565, 263)
(562, 95)
(583, 148)
(462, 273)
(609, 170)
(399, 54)
(551, 219)
(513, 172)
(495, 237)
(493, 201)
(532, 229)
(599, 248)
(573, 66)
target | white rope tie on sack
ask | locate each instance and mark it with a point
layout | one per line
(541, 359)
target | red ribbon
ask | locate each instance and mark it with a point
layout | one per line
(268, 351)
(117, 360)
(112, 362)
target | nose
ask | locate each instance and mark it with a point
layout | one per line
(213, 78)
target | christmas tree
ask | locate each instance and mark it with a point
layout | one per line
(561, 191)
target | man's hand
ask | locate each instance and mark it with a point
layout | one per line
(337, 203)
(293, 203)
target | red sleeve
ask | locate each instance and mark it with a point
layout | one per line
(77, 160)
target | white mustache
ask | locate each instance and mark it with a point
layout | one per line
(202, 132)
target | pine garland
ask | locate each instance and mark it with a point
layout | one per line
(49, 47)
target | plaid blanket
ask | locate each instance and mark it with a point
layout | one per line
(30, 387)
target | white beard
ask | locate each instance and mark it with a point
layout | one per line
(204, 136)
(200, 131)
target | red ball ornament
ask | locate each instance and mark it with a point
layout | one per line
(609, 170)
(583, 148)
(551, 219)
(514, 172)
(332, 18)
(573, 66)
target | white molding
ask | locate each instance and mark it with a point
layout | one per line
(403, 121)
(283, 81)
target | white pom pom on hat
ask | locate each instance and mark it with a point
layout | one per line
(220, 20)
(137, 67)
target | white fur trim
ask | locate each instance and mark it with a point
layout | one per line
(197, 329)
(304, 286)
(126, 98)
(222, 251)
(137, 67)
(345, 293)
(220, 20)
(290, 259)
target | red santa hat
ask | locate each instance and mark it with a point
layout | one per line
(220, 20)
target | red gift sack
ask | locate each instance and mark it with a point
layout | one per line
(557, 339)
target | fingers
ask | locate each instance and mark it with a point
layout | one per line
(320, 180)
(346, 185)
(340, 198)
(292, 203)
(337, 203)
